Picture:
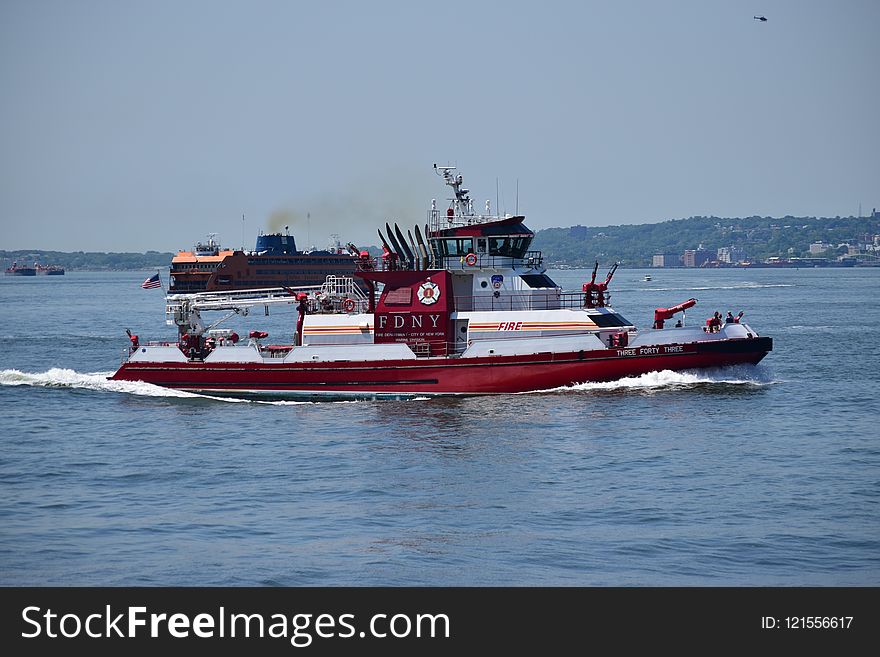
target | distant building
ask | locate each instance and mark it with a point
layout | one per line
(819, 247)
(696, 258)
(724, 255)
(666, 260)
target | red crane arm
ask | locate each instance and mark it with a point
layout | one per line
(661, 314)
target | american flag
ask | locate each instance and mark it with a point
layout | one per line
(151, 282)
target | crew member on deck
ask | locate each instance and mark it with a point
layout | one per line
(364, 261)
(389, 259)
(134, 340)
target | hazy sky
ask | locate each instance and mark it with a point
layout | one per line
(129, 126)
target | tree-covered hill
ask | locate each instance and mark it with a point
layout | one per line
(755, 238)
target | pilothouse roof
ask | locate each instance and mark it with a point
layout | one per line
(460, 220)
(512, 226)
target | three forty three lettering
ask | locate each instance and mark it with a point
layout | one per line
(650, 351)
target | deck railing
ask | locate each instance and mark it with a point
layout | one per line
(551, 300)
(457, 262)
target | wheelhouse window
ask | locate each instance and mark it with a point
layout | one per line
(608, 320)
(509, 246)
(456, 247)
(538, 280)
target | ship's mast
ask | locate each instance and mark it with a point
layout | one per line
(461, 204)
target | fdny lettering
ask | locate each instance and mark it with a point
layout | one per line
(510, 326)
(410, 321)
(651, 351)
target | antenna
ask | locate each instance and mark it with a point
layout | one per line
(242, 232)
(516, 212)
(497, 204)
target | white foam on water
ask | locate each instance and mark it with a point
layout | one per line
(744, 375)
(747, 375)
(66, 378)
(738, 286)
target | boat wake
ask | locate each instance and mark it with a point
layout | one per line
(98, 381)
(740, 375)
(64, 378)
(738, 286)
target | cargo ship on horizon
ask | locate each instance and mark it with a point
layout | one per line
(43, 270)
(15, 270)
(49, 270)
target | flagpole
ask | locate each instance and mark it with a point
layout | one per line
(164, 293)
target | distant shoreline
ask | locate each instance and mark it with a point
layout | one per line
(724, 242)
(88, 261)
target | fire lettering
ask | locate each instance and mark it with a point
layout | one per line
(510, 326)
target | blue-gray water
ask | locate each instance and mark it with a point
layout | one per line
(762, 475)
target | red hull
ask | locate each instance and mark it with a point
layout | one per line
(485, 375)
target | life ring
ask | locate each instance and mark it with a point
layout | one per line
(470, 259)
(348, 305)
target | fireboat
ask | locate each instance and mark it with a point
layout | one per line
(463, 308)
